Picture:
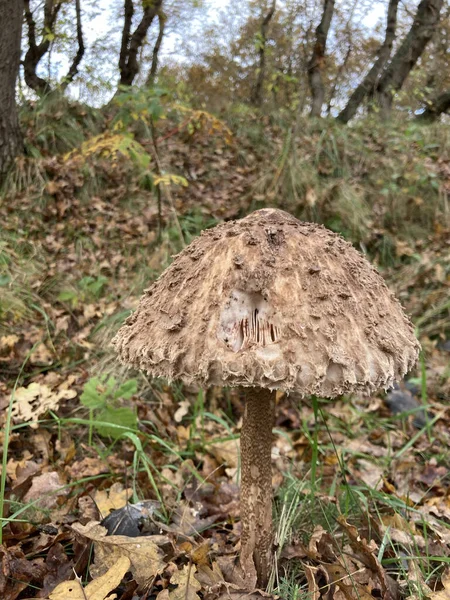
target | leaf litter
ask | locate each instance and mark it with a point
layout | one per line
(92, 265)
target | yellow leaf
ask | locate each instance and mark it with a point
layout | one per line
(95, 590)
(169, 178)
(114, 498)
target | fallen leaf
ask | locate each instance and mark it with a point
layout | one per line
(113, 499)
(226, 452)
(41, 356)
(182, 410)
(35, 400)
(443, 594)
(98, 589)
(144, 554)
(44, 491)
(188, 586)
(313, 588)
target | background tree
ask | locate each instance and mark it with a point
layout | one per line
(257, 93)
(367, 85)
(132, 42)
(422, 29)
(47, 33)
(11, 12)
(318, 58)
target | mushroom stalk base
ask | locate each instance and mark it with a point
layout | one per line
(256, 485)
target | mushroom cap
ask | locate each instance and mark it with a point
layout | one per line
(273, 302)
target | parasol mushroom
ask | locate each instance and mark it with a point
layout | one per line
(269, 303)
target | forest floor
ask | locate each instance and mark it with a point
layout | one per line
(361, 485)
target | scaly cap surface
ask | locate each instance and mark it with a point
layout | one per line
(270, 301)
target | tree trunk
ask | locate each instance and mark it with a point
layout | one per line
(370, 80)
(132, 42)
(436, 108)
(36, 51)
(11, 12)
(408, 53)
(156, 48)
(317, 61)
(257, 94)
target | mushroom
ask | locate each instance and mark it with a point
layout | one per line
(269, 303)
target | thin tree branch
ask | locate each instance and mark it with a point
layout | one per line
(80, 52)
(162, 23)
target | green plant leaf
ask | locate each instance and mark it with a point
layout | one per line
(127, 389)
(92, 396)
(125, 417)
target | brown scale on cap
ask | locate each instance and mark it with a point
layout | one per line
(272, 302)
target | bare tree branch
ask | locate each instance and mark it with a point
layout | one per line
(72, 72)
(154, 67)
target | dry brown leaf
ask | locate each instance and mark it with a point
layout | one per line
(313, 588)
(35, 400)
(344, 579)
(226, 452)
(98, 589)
(144, 554)
(366, 553)
(188, 586)
(41, 356)
(44, 491)
(113, 499)
(371, 474)
(8, 341)
(443, 594)
(209, 577)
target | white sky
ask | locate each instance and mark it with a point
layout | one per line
(106, 24)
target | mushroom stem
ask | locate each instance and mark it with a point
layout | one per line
(256, 485)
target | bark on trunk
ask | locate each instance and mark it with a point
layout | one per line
(132, 42)
(11, 12)
(370, 80)
(256, 486)
(438, 106)
(409, 52)
(156, 48)
(257, 94)
(36, 51)
(317, 61)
